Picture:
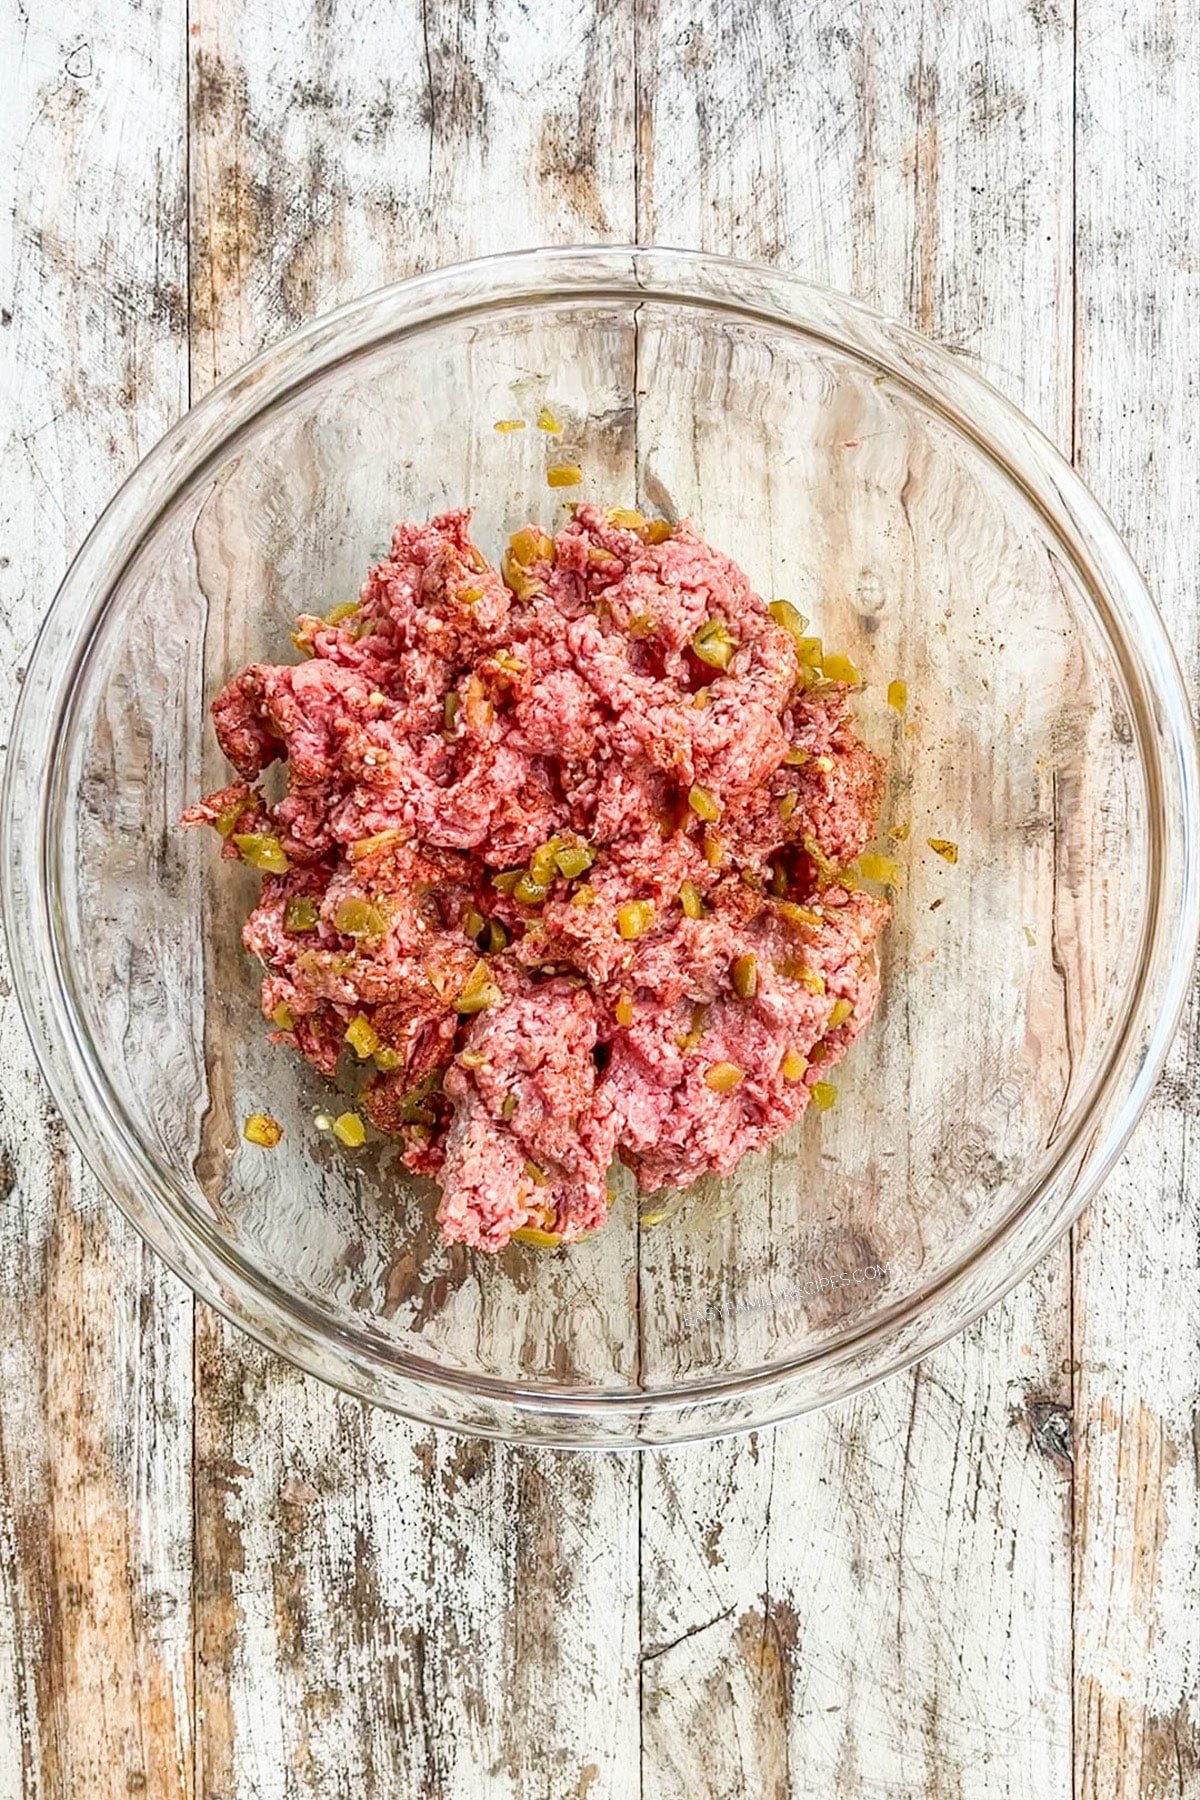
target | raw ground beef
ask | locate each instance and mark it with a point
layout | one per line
(564, 851)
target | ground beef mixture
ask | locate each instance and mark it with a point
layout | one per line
(562, 860)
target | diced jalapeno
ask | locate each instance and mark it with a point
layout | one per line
(714, 644)
(362, 1037)
(635, 917)
(529, 545)
(378, 840)
(543, 864)
(536, 1238)
(497, 937)
(786, 616)
(349, 1129)
(479, 991)
(704, 803)
(226, 821)
(836, 667)
(690, 1039)
(263, 1130)
(359, 918)
(262, 851)
(691, 900)
(873, 867)
(574, 859)
(744, 974)
(301, 913)
(528, 891)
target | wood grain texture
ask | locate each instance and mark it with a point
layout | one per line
(1137, 1312)
(877, 1600)
(381, 1612)
(978, 1580)
(95, 1337)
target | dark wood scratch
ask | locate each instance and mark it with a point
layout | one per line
(652, 1651)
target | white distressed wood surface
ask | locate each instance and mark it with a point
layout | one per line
(95, 1337)
(1137, 1262)
(220, 1581)
(877, 1600)
(381, 1612)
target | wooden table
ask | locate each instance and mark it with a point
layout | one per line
(221, 1581)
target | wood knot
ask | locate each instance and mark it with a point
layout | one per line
(1050, 1426)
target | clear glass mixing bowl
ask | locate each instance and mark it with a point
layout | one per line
(1030, 989)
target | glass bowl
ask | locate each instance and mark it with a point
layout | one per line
(1030, 988)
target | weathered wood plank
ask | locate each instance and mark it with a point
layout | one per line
(876, 1599)
(95, 1336)
(879, 1598)
(1137, 1262)
(383, 1612)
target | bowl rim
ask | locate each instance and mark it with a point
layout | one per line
(357, 1360)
